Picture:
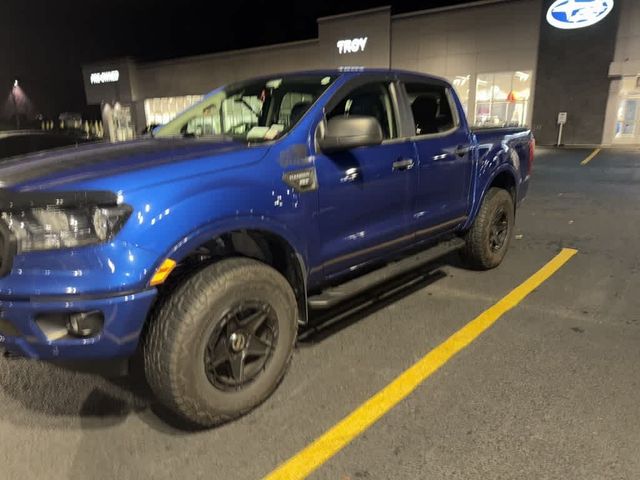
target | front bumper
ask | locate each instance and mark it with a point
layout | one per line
(124, 317)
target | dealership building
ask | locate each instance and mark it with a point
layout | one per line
(533, 63)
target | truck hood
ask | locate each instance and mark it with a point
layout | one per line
(64, 168)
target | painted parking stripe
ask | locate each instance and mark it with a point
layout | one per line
(335, 439)
(591, 156)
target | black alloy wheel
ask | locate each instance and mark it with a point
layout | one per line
(221, 342)
(499, 230)
(487, 241)
(241, 346)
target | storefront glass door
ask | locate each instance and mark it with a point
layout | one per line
(626, 129)
(627, 124)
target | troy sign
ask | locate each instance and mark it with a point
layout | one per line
(353, 45)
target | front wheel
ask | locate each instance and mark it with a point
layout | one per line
(222, 342)
(487, 241)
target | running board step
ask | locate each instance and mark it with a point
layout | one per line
(332, 296)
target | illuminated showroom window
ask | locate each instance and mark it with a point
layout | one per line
(159, 111)
(461, 84)
(502, 99)
(123, 128)
(628, 115)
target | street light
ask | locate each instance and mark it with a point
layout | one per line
(15, 102)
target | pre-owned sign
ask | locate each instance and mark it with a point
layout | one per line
(110, 76)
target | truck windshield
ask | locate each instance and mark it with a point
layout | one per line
(254, 111)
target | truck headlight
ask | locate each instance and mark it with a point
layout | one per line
(50, 228)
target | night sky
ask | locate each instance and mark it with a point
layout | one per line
(44, 43)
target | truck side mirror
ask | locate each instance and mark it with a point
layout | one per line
(346, 132)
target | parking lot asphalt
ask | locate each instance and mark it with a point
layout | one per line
(552, 390)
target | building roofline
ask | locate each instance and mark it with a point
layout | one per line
(353, 14)
(226, 53)
(261, 48)
(427, 11)
(108, 61)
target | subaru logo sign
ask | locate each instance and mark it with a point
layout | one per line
(571, 14)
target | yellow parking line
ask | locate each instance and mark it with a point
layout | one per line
(335, 439)
(591, 156)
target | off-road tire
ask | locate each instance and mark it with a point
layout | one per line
(178, 335)
(477, 252)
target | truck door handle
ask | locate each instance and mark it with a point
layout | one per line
(452, 153)
(461, 150)
(350, 175)
(403, 164)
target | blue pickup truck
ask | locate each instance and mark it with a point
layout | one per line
(205, 246)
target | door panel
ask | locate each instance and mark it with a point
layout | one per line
(364, 203)
(442, 195)
(441, 200)
(365, 193)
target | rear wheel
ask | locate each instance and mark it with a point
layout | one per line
(222, 342)
(487, 241)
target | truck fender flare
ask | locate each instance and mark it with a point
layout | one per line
(205, 233)
(504, 167)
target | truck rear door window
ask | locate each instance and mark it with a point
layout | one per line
(431, 108)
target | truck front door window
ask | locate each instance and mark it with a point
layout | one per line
(371, 100)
